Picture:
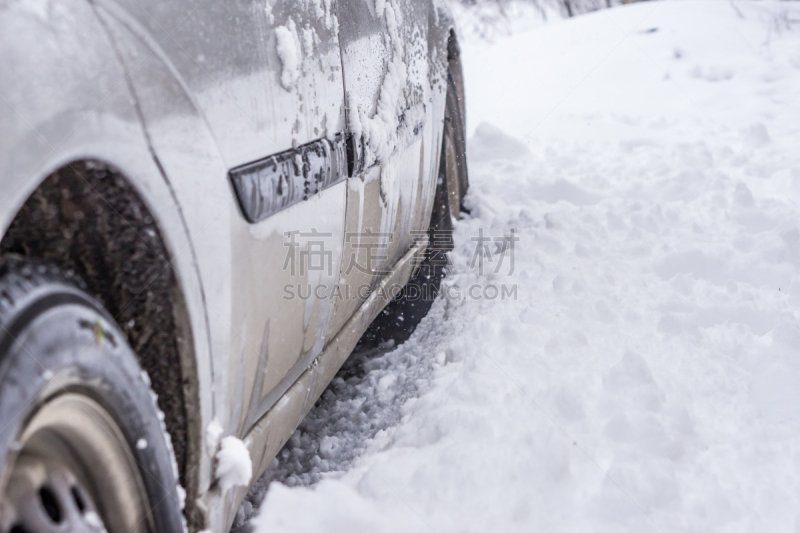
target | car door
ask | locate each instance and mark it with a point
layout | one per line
(396, 140)
(266, 77)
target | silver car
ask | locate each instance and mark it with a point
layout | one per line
(206, 204)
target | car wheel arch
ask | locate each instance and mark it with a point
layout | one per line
(89, 218)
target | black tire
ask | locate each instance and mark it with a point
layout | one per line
(454, 136)
(403, 314)
(60, 350)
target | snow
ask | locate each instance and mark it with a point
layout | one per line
(490, 20)
(94, 520)
(288, 46)
(309, 36)
(645, 377)
(181, 492)
(213, 435)
(380, 130)
(268, 11)
(234, 467)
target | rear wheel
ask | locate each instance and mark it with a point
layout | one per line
(82, 446)
(399, 319)
(453, 177)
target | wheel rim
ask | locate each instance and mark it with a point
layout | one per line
(73, 472)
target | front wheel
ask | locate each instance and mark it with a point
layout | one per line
(82, 446)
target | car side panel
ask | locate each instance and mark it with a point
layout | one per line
(392, 115)
(262, 339)
(266, 74)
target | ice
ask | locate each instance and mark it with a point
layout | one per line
(234, 467)
(644, 379)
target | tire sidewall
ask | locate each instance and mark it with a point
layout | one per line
(455, 133)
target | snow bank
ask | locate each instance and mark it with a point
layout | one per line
(645, 377)
(348, 510)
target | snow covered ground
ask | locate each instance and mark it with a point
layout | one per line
(647, 377)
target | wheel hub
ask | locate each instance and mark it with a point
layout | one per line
(73, 473)
(45, 496)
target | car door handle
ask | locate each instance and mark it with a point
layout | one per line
(270, 185)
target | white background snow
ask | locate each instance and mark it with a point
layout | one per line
(647, 378)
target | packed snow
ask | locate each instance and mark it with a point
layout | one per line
(234, 466)
(288, 46)
(646, 376)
